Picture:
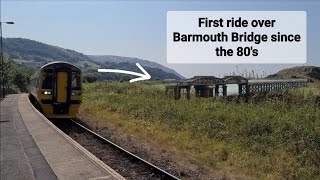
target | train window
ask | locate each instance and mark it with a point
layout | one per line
(47, 80)
(75, 81)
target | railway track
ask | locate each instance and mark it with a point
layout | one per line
(124, 162)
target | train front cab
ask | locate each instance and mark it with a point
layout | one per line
(60, 92)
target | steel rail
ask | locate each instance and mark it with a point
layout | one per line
(125, 151)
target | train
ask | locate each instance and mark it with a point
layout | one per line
(56, 90)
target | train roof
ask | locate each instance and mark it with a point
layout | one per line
(59, 62)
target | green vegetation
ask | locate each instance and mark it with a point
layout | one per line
(16, 77)
(273, 138)
(86, 64)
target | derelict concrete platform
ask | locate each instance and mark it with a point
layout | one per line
(33, 148)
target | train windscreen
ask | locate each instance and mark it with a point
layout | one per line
(75, 83)
(47, 79)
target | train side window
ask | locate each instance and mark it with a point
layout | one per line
(36, 83)
(47, 81)
(75, 84)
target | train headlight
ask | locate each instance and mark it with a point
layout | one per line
(76, 93)
(46, 92)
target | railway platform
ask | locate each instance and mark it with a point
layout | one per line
(33, 148)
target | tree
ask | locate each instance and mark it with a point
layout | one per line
(125, 78)
(14, 75)
(90, 78)
(21, 81)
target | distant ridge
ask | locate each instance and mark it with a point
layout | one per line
(118, 59)
(33, 54)
(305, 72)
(30, 50)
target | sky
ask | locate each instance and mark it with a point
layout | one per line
(138, 28)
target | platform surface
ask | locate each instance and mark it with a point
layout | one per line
(33, 148)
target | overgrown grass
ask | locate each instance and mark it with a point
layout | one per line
(272, 138)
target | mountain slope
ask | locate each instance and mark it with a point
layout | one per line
(29, 50)
(305, 72)
(33, 54)
(119, 59)
(156, 73)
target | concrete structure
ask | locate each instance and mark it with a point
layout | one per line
(203, 85)
(208, 86)
(241, 81)
(33, 148)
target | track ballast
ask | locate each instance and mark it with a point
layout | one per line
(122, 161)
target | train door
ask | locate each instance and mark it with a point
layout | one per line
(62, 87)
(62, 90)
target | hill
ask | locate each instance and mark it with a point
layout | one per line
(33, 54)
(305, 72)
(119, 59)
(26, 50)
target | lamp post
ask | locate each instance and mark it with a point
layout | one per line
(2, 59)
